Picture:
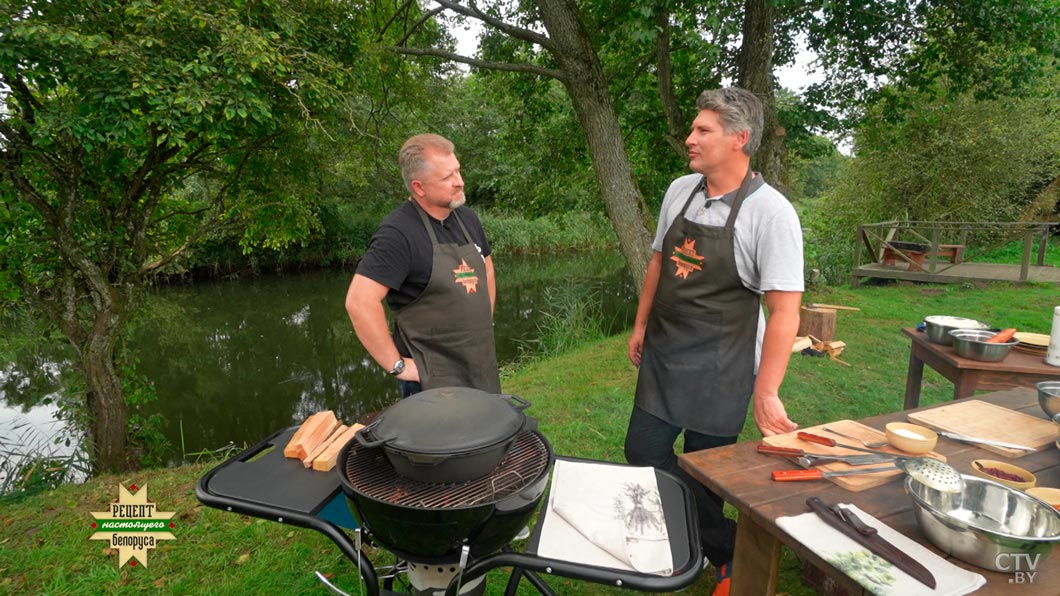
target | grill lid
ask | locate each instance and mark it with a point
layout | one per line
(447, 420)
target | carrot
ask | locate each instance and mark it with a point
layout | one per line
(1002, 336)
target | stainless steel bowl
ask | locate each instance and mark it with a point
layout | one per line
(985, 521)
(1049, 397)
(971, 343)
(938, 327)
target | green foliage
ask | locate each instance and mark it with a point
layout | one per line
(112, 108)
(882, 51)
(567, 231)
(574, 317)
(945, 159)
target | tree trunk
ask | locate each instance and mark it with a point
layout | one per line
(94, 340)
(676, 126)
(105, 400)
(755, 73)
(587, 87)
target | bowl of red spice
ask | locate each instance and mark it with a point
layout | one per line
(1004, 473)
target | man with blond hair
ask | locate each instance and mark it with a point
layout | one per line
(430, 261)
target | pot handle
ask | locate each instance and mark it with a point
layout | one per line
(362, 436)
(523, 404)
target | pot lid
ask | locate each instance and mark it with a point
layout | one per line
(450, 420)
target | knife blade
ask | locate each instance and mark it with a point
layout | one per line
(819, 458)
(960, 437)
(868, 537)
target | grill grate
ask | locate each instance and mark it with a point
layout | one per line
(370, 473)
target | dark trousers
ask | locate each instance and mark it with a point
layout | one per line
(650, 442)
(409, 388)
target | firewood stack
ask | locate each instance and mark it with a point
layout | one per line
(318, 441)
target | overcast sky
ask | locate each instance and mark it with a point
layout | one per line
(794, 77)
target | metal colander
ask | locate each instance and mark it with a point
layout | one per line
(932, 473)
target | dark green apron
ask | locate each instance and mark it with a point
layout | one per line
(449, 327)
(697, 368)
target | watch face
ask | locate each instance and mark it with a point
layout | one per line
(399, 367)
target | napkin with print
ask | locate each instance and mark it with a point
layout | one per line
(606, 515)
(873, 573)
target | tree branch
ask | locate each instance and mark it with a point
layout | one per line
(426, 17)
(508, 66)
(507, 28)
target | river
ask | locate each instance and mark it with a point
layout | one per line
(232, 361)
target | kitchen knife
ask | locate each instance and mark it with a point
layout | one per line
(966, 438)
(817, 473)
(805, 436)
(816, 458)
(840, 519)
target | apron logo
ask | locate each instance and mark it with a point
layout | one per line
(466, 275)
(686, 259)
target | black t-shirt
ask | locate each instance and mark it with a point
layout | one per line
(400, 257)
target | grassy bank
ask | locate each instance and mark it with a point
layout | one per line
(582, 399)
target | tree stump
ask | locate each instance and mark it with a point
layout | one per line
(818, 322)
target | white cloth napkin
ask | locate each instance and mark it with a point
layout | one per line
(873, 573)
(606, 515)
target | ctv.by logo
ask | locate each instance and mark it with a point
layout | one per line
(1022, 565)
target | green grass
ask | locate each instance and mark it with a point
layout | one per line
(582, 399)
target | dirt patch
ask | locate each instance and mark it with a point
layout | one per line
(932, 292)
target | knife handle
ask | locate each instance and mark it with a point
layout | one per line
(774, 450)
(851, 518)
(791, 475)
(805, 436)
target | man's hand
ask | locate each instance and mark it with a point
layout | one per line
(770, 416)
(636, 346)
(411, 373)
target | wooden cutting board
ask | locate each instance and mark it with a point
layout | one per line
(989, 421)
(857, 482)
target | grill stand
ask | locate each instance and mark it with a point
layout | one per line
(260, 482)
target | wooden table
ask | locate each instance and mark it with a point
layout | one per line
(1018, 369)
(742, 477)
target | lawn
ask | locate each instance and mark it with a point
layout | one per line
(582, 400)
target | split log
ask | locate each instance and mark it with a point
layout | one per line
(289, 450)
(318, 427)
(329, 457)
(308, 460)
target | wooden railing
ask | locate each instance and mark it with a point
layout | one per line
(934, 246)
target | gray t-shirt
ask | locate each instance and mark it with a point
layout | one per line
(768, 235)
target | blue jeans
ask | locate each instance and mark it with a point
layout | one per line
(650, 442)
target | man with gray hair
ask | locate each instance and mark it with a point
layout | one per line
(726, 241)
(430, 261)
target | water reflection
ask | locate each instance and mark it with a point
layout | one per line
(234, 361)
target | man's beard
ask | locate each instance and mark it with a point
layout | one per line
(458, 202)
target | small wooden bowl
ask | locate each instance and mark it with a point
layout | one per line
(1049, 495)
(899, 435)
(1029, 479)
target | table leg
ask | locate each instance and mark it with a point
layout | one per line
(965, 384)
(755, 561)
(913, 378)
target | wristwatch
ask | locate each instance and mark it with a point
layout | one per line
(399, 367)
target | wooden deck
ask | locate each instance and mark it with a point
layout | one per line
(961, 273)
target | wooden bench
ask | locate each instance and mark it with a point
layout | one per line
(911, 253)
(953, 253)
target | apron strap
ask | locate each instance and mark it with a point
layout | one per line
(430, 229)
(737, 202)
(741, 194)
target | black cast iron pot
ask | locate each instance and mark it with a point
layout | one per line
(448, 434)
(436, 534)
